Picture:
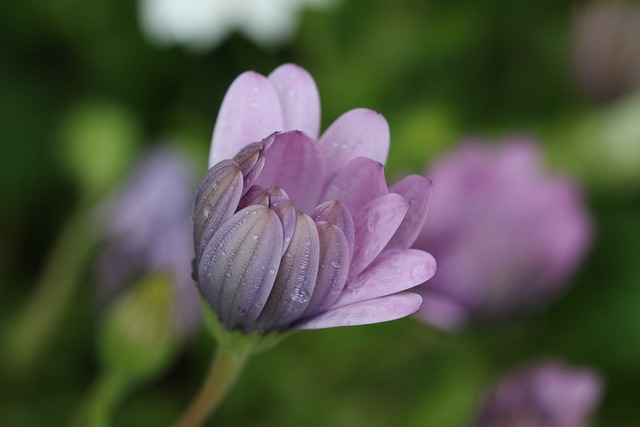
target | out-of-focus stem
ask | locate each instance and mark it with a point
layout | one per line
(52, 294)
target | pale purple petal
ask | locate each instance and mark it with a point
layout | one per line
(357, 133)
(417, 191)
(357, 183)
(299, 99)
(332, 273)
(249, 112)
(544, 393)
(338, 214)
(239, 265)
(377, 310)
(283, 207)
(251, 161)
(294, 162)
(256, 195)
(377, 222)
(296, 278)
(216, 200)
(393, 271)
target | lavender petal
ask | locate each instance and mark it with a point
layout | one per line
(357, 133)
(417, 191)
(239, 265)
(377, 310)
(296, 278)
(250, 110)
(374, 227)
(299, 98)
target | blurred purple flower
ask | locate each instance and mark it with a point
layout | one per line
(544, 394)
(147, 229)
(506, 234)
(299, 232)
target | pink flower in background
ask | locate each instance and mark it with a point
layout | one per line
(147, 229)
(301, 231)
(544, 394)
(506, 233)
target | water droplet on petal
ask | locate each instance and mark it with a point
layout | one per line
(335, 264)
(255, 237)
(208, 208)
(299, 295)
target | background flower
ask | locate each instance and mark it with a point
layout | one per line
(506, 233)
(203, 24)
(544, 394)
(148, 230)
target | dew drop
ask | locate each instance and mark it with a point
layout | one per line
(272, 271)
(208, 208)
(335, 264)
(299, 295)
(255, 237)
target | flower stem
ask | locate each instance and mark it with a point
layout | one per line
(224, 370)
(52, 294)
(96, 410)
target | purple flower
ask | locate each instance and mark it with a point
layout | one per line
(506, 234)
(147, 228)
(298, 232)
(544, 394)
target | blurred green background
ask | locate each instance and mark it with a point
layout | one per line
(82, 91)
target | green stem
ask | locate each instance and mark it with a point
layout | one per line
(107, 392)
(223, 372)
(52, 295)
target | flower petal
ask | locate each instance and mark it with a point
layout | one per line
(255, 195)
(239, 264)
(374, 227)
(250, 111)
(283, 207)
(417, 191)
(338, 214)
(216, 200)
(377, 310)
(357, 133)
(357, 183)
(393, 271)
(296, 278)
(299, 98)
(294, 163)
(332, 273)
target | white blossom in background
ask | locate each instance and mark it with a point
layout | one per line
(203, 24)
